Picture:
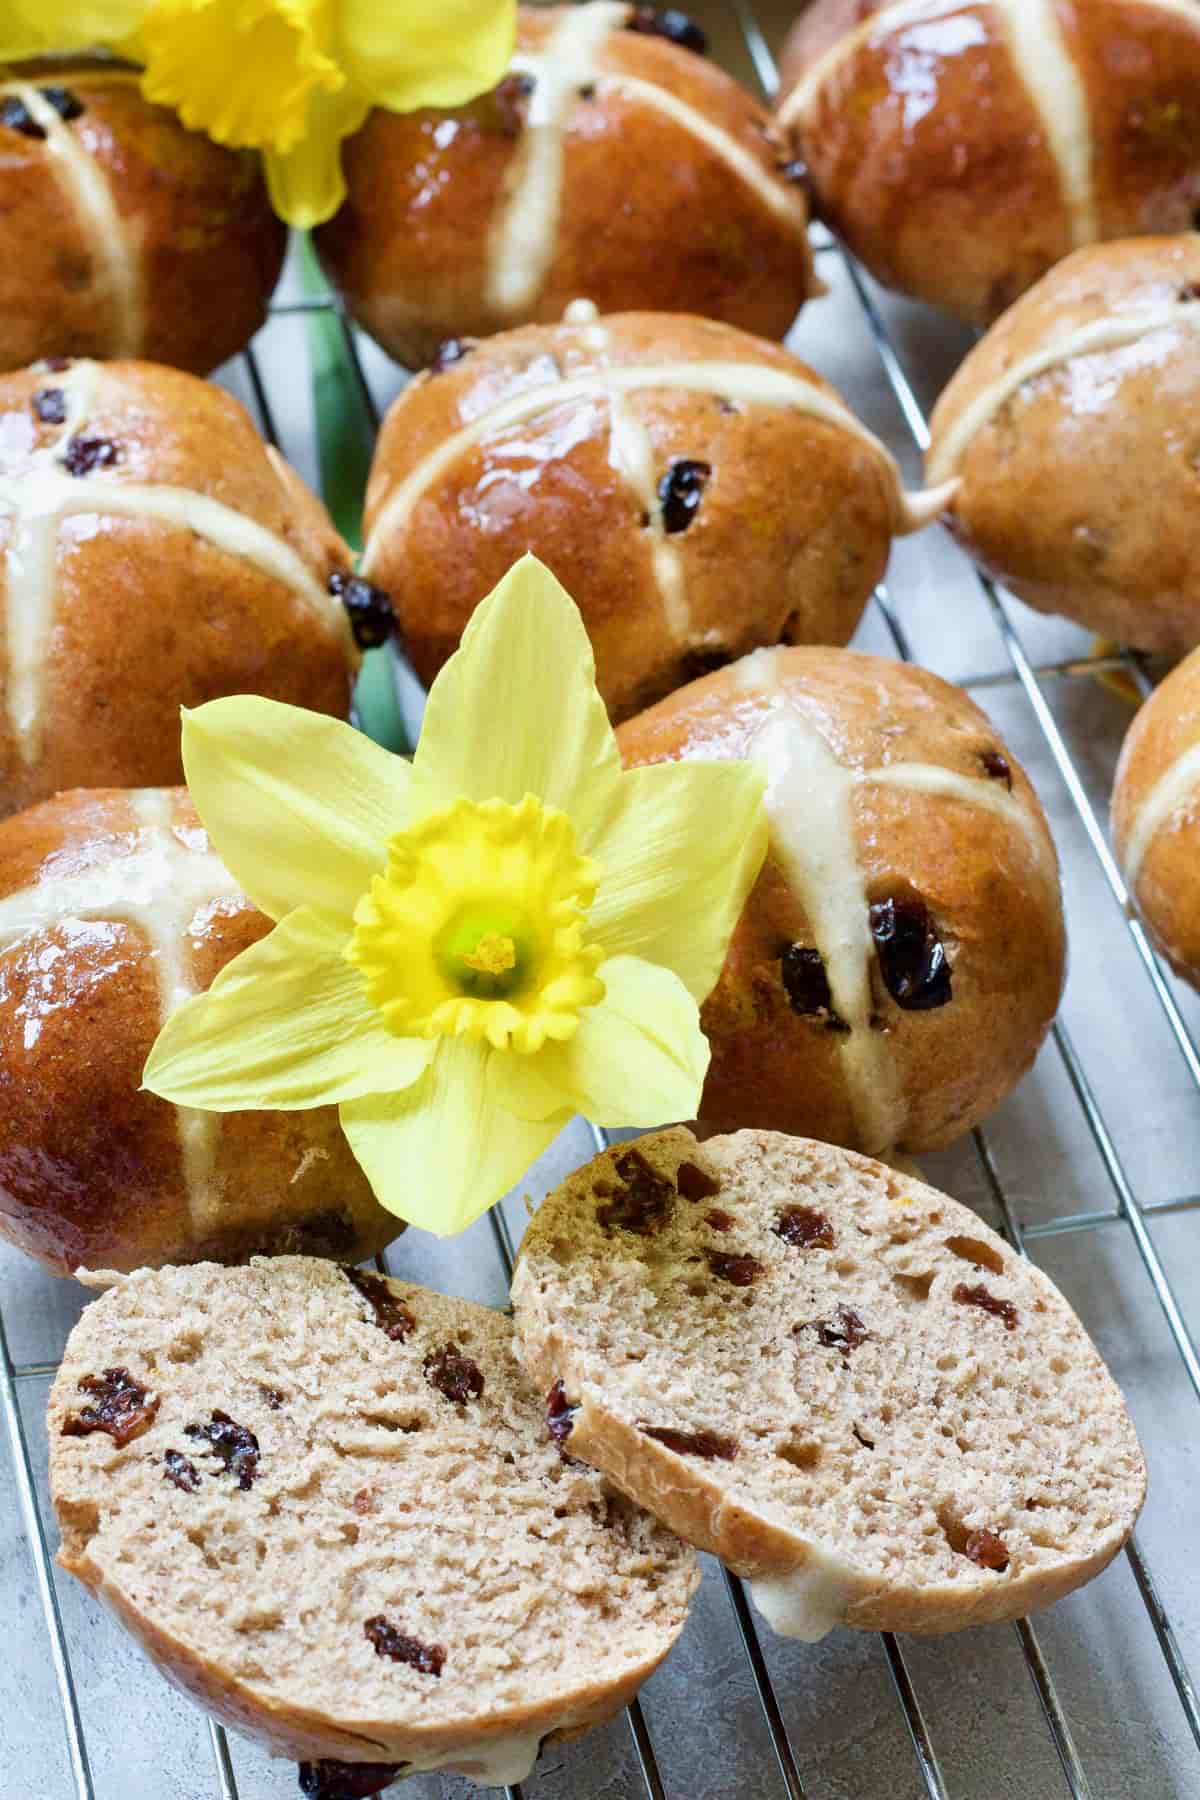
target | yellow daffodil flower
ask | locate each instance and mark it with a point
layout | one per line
(291, 78)
(473, 948)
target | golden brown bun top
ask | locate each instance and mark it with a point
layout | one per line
(872, 711)
(169, 428)
(442, 401)
(1093, 283)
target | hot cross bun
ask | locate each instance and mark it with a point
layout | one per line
(113, 911)
(961, 150)
(900, 958)
(699, 491)
(1072, 431)
(1156, 816)
(610, 162)
(154, 553)
(122, 233)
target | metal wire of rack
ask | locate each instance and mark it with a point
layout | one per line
(1030, 679)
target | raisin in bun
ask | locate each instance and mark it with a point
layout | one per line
(1156, 816)
(832, 1376)
(1072, 432)
(698, 491)
(113, 910)
(329, 1506)
(901, 956)
(961, 150)
(122, 233)
(154, 553)
(609, 162)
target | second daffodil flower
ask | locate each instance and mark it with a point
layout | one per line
(473, 948)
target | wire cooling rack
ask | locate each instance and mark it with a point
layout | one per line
(1090, 1168)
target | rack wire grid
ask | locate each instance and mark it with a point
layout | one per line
(1088, 1167)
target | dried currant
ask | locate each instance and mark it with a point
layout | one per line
(979, 1296)
(180, 1472)
(274, 1397)
(560, 1414)
(704, 660)
(451, 351)
(670, 23)
(391, 1315)
(369, 609)
(510, 97)
(719, 1219)
(695, 1183)
(739, 1271)
(236, 1446)
(844, 1332)
(427, 1659)
(87, 453)
(987, 1549)
(795, 170)
(915, 968)
(804, 1228)
(50, 406)
(645, 1202)
(453, 1374)
(347, 1781)
(121, 1407)
(16, 116)
(806, 984)
(712, 1445)
(66, 104)
(680, 492)
(997, 767)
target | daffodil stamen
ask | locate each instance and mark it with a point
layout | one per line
(477, 927)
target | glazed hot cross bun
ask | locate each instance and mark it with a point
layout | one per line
(1156, 816)
(1072, 431)
(962, 147)
(700, 492)
(901, 956)
(154, 553)
(611, 161)
(122, 233)
(113, 911)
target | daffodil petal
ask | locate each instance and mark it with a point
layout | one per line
(679, 854)
(244, 71)
(515, 711)
(445, 1150)
(306, 183)
(32, 29)
(298, 806)
(638, 1058)
(428, 52)
(286, 1025)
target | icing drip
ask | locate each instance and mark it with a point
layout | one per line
(1174, 790)
(87, 188)
(1113, 332)
(159, 889)
(810, 806)
(808, 1602)
(747, 383)
(43, 494)
(812, 827)
(498, 1762)
(31, 564)
(1050, 76)
(523, 237)
(631, 454)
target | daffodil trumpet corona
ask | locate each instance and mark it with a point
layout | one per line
(471, 948)
(291, 78)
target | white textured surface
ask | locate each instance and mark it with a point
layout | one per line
(837, 1699)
